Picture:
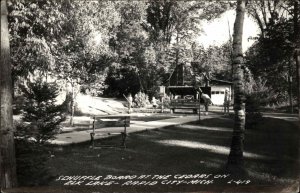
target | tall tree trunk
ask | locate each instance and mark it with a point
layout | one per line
(290, 82)
(7, 154)
(72, 104)
(235, 158)
(297, 58)
(297, 50)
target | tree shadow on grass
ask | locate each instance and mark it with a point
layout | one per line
(278, 140)
(191, 148)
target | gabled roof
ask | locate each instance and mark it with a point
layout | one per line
(181, 75)
(183, 90)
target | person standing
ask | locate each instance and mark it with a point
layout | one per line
(207, 102)
(154, 102)
(129, 99)
(226, 101)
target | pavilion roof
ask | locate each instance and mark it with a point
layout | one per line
(183, 90)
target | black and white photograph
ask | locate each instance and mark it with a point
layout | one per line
(103, 96)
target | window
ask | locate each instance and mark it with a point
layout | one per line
(217, 92)
(213, 92)
(222, 92)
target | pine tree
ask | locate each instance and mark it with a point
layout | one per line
(41, 112)
(41, 121)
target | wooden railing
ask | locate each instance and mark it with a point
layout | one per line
(184, 102)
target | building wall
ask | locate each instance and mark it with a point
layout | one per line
(218, 93)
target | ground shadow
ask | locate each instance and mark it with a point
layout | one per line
(271, 152)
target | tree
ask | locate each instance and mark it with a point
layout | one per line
(40, 123)
(122, 80)
(297, 47)
(268, 12)
(235, 159)
(84, 52)
(132, 65)
(153, 37)
(41, 112)
(8, 177)
(215, 61)
(173, 28)
(35, 29)
(273, 51)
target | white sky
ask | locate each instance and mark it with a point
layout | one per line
(216, 32)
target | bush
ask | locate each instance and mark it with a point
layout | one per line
(167, 102)
(258, 94)
(261, 93)
(41, 121)
(141, 100)
(253, 113)
(41, 112)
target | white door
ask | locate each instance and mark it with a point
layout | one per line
(217, 97)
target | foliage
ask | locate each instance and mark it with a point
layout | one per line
(95, 88)
(273, 50)
(266, 13)
(83, 51)
(61, 40)
(272, 54)
(35, 28)
(173, 27)
(166, 18)
(41, 115)
(121, 80)
(258, 88)
(215, 61)
(144, 38)
(253, 113)
(134, 54)
(40, 122)
(258, 94)
(18, 104)
(77, 41)
(141, 100)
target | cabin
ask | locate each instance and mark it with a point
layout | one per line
(218, 90)
(184, 88)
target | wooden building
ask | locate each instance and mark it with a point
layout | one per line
(218, 90)
(184, 88)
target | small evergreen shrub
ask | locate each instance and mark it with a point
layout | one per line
(141, 100)
(41, 112)
(41, 121)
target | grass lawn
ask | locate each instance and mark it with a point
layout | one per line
(271, 153)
